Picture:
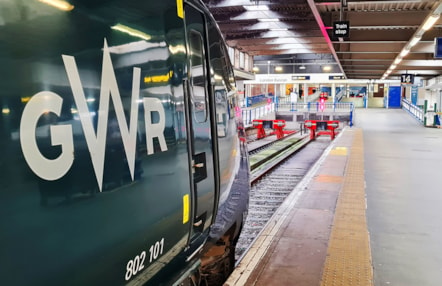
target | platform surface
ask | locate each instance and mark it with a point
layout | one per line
(403, 171)
(368, 213)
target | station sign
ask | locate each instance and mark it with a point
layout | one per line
(407, 79)
(272, 80)
(336, 77)
(341, 29)
(301, 77)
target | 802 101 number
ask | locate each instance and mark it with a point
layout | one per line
(156, 250)
(135, 265)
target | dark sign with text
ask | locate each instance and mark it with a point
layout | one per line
(407, 78)
(341, 29)
(336, 77)
(301, 77)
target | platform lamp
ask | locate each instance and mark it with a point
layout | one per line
(430, 22)
(326, 68)
(302, 66)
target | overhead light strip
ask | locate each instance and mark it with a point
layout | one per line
(428, 23)
(256, 7)
(268, 20)
(414, 41)
(404, 52)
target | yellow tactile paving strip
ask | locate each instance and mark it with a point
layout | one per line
(348, 259)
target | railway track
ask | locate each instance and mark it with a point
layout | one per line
(273, 185)
(256, 146)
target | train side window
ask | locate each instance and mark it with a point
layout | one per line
(198, 77)
(230, 81)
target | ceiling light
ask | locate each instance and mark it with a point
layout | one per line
(256, 8)
(404, 52)
(414, 41)
(59, 4)
(255, 69)
(397, 61)
(326, 68)
(268, 20)
(278, 69)
(279, 29)
(302, 67)
(430, 22)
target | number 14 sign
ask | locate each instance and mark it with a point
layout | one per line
(407, 78)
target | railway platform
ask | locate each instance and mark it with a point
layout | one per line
(367, 213)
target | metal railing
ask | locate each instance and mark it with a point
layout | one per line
(249, 114)
(260, 112)
(414, 110)
(315, 107)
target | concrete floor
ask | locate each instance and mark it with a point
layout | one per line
(403, 173)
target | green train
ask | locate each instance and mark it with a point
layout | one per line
(123, 157)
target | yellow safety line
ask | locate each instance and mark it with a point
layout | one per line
(348, 259)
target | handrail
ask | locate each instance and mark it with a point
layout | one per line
(249, 114)
(414, 110)
(339, 96)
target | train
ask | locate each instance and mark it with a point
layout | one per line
(123, 155)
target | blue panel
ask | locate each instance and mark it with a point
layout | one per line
(358, 91)
(414, 93)
(394, 97)
(438, 48)
(326, 89)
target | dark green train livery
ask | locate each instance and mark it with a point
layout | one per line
(122, 150)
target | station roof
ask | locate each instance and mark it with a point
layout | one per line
(298, 35)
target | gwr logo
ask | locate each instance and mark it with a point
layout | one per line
(47, 101)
